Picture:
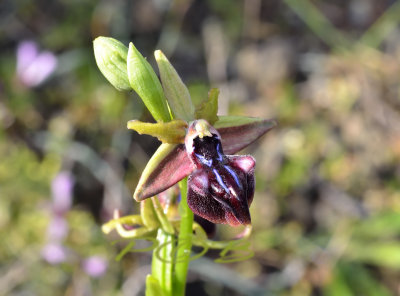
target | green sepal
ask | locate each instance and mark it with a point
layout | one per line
(208, 109)
(172, 132)
(111, 56)
(148, 214)
(145, 82)
(175, 90)
(153, 287)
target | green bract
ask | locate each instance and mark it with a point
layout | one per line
(111, 58)
(145, 82)
(208, 109)
(175, 90)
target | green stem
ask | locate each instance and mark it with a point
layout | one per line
(162, 263)
(184, 242)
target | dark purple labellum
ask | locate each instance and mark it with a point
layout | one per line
(221, 188)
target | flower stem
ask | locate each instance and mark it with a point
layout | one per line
(184, 242)
(162, 263)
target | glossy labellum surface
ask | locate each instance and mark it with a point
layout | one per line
(221, 188)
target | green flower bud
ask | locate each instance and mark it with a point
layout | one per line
(175, 90)
(111, 57)
(145, 82)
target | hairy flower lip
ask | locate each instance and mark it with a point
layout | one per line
(221, 188)
(166, 168)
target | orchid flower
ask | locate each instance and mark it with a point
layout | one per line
(196, 143)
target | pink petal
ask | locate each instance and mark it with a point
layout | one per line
(246, 163)
(26, 54)
(39, 69)
(61, 189)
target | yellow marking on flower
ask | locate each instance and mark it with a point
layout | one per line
(202, 128)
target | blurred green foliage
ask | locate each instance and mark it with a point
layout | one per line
(326, 212)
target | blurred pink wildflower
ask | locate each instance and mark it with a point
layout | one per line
(54, 253)
(61, 189)
(33, 67)
(95, 266)
(57, 229)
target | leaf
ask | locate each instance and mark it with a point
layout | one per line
(175, 90)
(355, 279)
(383, 225)
(385, 253)
(338, 285)
(145, 82)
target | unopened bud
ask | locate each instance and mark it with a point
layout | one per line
(111, 56)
